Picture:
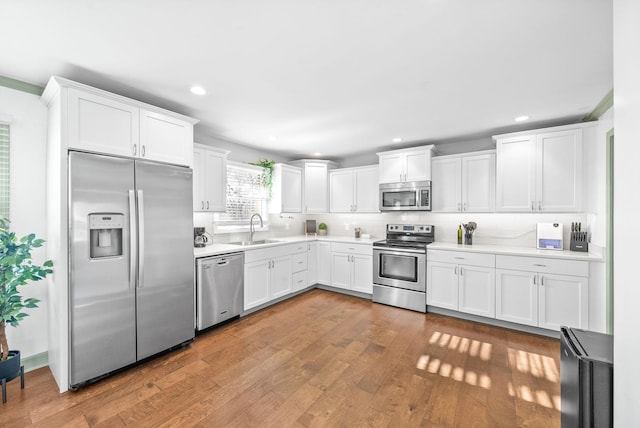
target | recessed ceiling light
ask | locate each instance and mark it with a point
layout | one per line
(272, 138)
(521, 118)
(397, 140)
(317, 154)
(198, 90)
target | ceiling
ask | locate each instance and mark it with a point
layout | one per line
(298, 77)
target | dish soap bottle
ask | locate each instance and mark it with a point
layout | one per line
(459, 234)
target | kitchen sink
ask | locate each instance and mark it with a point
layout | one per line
(249, 243)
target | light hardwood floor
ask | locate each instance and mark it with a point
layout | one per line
(319, 359)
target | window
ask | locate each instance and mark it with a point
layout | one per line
(4, 170)
(245, 197)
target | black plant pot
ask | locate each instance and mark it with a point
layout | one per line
(9, 370)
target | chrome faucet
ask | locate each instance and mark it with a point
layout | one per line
(251, 230)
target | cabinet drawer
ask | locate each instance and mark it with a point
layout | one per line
(300, 247)
(299, 262)
(341, 247)
(299, 280)
(462, 258)
(544, 265)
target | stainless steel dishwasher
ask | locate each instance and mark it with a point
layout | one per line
(220, 288)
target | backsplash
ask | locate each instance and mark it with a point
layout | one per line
(507, 229)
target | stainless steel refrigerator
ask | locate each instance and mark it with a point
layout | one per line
(131, 262)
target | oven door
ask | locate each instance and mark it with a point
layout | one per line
(405, 268)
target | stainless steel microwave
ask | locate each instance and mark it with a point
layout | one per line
(410, 196)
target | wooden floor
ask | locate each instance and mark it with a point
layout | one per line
(320, 359)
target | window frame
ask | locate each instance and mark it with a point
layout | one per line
(5, 175)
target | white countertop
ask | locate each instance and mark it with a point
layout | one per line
(217, 249)
(518, 251)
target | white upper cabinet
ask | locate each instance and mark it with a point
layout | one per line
(354, 190)
(540, 170)
(209, 179)
(102, 125)
(403, 165)
(315, 189)
(464, 183)
(286, 191)
(164, 138)
(101, 122)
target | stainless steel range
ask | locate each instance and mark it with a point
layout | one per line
(400, 265)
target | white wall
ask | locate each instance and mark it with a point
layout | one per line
(626, 78)
(28, 120)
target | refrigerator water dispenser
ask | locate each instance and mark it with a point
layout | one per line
(105, 234)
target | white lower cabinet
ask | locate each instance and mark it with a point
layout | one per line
(268, 274)
(352, 267)
(461, 281)
(312, 263)
(553, 293)
(324, 263)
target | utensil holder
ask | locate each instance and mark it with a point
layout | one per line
(578, 242)
(468, 239)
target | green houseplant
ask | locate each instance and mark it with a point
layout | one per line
(322, 229)
(267, 173)
(16, 270)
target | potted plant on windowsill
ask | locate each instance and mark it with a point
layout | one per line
(16, 270)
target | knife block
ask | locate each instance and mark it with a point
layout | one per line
(579, 242)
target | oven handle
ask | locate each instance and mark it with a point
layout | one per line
(390, 250)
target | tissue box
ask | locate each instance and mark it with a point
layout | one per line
(549, 236)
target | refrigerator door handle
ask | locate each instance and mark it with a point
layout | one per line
(140, 239)
(133, 239)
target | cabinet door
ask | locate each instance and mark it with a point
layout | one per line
(102, 125)
(442, 285)
(367, 190)
(559, 182)
(198, 180)
(215, 181)
(563, 301)
(291, 190)
(165, 139)
(256, 283)
(324, 263)
(280, 277)
(477, 290)
(341, 185)
(516, 296)
(315, 187)
(417, 165)
(478, 183)
(446, 185)
(312, 263)
(516, 174)
(362, 273)
(391, 168)
(341, 270)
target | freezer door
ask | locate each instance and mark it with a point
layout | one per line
(165, 285)
(102, 278)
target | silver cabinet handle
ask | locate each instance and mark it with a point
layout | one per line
(539, 205)
(202, 203)
(464, 206)
(534, 279)
(207, 205)
(142, 151)
(459, 207)
(459, 258)
(538, 264)
(141, 239)
(533, 206)
(133, 239)
(542, 281)
(455, 270)
(461, 271)
(135, 149)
